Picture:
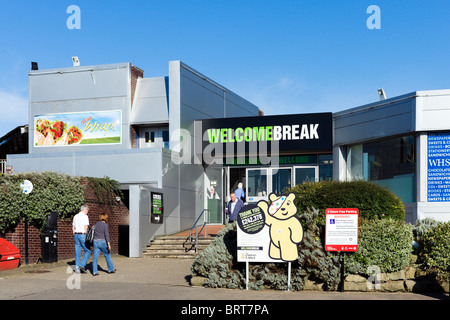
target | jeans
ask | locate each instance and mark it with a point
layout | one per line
(101, 246)
(80, 242)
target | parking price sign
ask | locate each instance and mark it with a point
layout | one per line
(341, 229)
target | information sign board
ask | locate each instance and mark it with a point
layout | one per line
(438, 173)
(341, 229)
(157, 207)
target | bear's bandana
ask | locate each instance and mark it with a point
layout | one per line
(276, 205)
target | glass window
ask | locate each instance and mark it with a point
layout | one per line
(257, 182)
(389, 162)
(303, 174)
(281, 179)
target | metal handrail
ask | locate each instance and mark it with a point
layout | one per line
(195, 225)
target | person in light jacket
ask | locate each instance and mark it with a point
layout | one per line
(102, 243)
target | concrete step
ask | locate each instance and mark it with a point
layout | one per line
(176, 247)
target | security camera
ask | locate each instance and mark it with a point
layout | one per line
(382, 94)
(76, 61)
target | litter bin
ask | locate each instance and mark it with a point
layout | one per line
(9, 255)
(49, 246)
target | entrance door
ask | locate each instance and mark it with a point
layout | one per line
(281, 180)
(257, 185)
(305, 173)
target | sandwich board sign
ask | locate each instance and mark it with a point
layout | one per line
(341, 229)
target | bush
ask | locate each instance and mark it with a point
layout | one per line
(384, 243)
(372, 200)
(435, 251)
(51, 192)
(218, 263)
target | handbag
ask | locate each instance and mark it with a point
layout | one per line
(90, 235)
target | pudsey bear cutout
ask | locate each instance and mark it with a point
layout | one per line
(285, 229)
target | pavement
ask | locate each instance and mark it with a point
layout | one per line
(160, 280)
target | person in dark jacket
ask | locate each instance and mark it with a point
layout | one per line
(234, 205)
(102, 243)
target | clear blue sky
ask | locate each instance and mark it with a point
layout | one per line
(285, 56)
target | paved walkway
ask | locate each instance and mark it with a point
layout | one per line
(149, 279)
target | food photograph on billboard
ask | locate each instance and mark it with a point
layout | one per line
(81, 128)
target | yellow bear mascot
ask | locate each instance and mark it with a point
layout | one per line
(285, 229)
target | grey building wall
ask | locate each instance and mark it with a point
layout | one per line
(177, 100)
(415, 113)
(79, 89)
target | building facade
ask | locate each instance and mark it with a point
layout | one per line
(402, 143)
(109, 120)
(180, 144)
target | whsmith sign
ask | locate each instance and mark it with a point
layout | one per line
(227, 139)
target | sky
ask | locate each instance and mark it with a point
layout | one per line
(285, 56)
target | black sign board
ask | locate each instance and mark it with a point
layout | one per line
(157, 207)
(243, 136)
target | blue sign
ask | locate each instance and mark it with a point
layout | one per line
(438, 175)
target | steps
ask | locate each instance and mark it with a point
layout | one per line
(172, 247)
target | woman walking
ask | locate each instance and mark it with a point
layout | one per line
(102, 243)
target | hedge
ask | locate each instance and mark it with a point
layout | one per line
(51, 192)
(373, 201)
(385, 243)
(434, 250)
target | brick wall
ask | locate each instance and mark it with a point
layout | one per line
(118, 215)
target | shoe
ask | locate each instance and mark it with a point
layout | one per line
(83, 270)
(95, 274)
(114, 271)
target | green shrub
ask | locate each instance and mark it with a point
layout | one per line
(372, 200)
(218, 263)
(51, 192)
(385, 243)
(435, 251)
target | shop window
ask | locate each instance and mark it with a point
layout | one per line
(149, 136)
(281, 180)
(257, 182)
(389, 162)
(325, 167)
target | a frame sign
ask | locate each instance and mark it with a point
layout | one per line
(438, 173)
(157, 207)
(341, 229)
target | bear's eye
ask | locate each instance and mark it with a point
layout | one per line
(288, 203)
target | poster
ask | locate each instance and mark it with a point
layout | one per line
(269, 232)
(341, 229)
(438, 173)
(78, 128)
(157, 207)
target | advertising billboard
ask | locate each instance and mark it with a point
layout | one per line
(438, 173)
(78, 128)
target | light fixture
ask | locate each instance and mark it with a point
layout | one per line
(76, 61)
(382, 94)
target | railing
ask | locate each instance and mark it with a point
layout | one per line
(2, 166)
(193, 243)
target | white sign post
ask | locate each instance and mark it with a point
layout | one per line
(27, 187)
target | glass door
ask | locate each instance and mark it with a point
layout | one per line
(281, 180)
(305, 173)
(257, 185)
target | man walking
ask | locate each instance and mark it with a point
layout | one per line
(79, 228)
(234, 205)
